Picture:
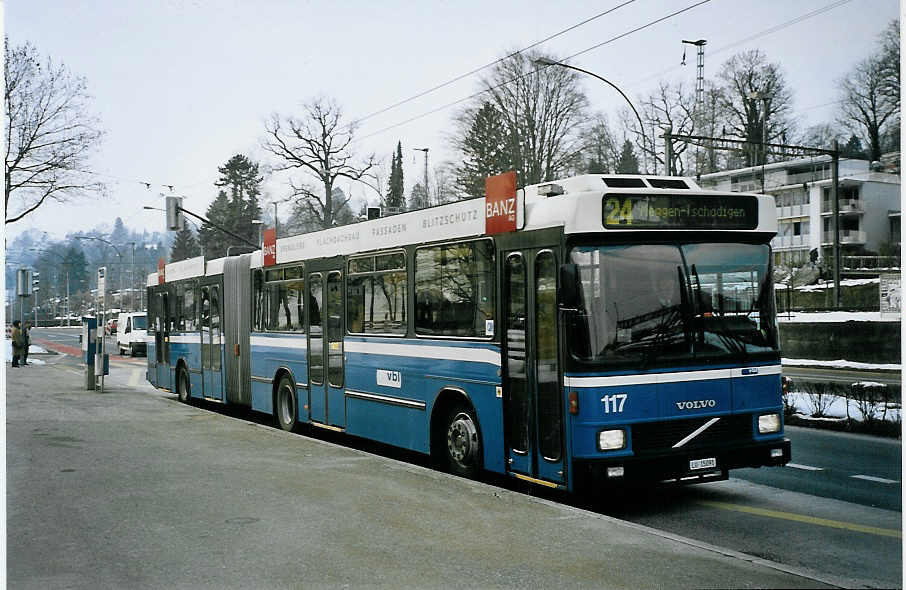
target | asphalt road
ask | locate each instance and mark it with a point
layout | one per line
(855, 468)
(131, 489)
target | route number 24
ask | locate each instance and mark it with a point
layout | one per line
(613, 404)
(618, 214)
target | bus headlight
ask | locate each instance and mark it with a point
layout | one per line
(768, 423)
(611, 440)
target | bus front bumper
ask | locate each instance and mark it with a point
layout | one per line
(694, 466)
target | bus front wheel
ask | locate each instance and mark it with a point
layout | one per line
(463, 444)
(287, 408)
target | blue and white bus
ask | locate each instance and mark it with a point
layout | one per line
(595, 329)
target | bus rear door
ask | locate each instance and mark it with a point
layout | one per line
(533, 405)
(162, 339)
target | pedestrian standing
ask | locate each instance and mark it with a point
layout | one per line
(15, 336)
(26, 339)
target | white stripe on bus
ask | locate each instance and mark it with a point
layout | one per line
(650, 378)
(447, 353)
(298, 342)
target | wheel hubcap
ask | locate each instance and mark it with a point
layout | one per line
(462, 438)
(287, 407)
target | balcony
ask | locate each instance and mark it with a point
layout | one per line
(784, 242)
(847, 236)
(846, 206)
(793, 211)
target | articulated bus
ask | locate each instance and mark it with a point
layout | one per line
(590, 331)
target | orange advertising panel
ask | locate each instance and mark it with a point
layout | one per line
(269, 247)
(161, 271)
(500, 203)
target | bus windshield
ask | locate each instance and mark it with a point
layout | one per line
(649, 305)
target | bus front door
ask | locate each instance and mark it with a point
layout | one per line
(325, 348)
(162, 340)
(533, 404)
(211, 344)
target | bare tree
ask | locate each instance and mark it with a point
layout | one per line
(50, 133)
(319, 145)
(543, 108)
(870, 106)
(757, 101)
(668, 107)
(866, 109)
(601, 148)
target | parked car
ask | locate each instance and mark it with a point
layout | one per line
(132, 330)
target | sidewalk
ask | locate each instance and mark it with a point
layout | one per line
(132, 482)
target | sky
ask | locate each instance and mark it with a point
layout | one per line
(181, 86)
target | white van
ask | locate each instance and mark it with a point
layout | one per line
(131, 330)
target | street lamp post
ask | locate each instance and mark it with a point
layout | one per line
(549, 62)
(118, 253)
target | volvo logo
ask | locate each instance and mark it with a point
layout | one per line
(696, 404)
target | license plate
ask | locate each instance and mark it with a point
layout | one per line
(702, 463)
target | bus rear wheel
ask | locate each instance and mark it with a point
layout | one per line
(287, 407)
(463, 444)
(182, 385)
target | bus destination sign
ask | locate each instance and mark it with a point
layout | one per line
(680, 212)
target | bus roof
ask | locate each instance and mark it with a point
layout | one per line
(576, 204)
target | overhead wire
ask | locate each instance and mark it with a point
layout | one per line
(493, 63)
(762, 33)
(486, 90)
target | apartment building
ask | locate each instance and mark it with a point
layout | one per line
(869, 200)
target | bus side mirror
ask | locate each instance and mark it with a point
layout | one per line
(569, 286)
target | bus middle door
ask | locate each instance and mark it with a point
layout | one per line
(211, 344)
(533, 405)
(325, 348)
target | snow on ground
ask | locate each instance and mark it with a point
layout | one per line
(828, 284)
(32, 349)
(841, 364)
(837, 408)
(843, 283)
(834, 317)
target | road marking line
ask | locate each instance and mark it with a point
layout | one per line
(804, 467)
(136, 375)
(875, 479)
(835, 524)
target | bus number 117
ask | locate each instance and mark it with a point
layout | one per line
(614, 403)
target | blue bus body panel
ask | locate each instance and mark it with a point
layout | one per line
(392, 385)
(269, 353)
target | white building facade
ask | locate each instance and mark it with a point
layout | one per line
(802, 190)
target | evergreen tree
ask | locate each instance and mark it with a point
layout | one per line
(184, 246)
(119, 235)
(241, 178)
(853, 148)
(78, 268)
(628, 162)
(485, 149)
(213, 241)
(396, 199)
(234, 208)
